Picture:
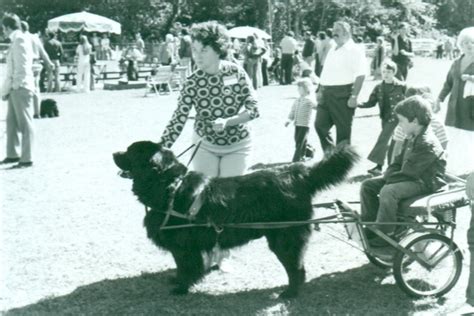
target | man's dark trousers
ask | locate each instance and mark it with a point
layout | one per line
(287, 68)
(301, 136)
(333, 110)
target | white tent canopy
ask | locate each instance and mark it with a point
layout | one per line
(84, 21)
(245, 31)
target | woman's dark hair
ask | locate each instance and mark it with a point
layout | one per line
(11, 21)
(212, 34)
(322, 35)
(415, 107)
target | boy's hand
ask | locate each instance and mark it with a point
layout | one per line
(287, 123)
(352, 103)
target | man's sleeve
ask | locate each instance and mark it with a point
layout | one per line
(20, 61)
(359, 63)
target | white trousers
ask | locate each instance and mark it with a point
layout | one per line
(84, 77)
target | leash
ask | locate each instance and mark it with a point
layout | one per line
(174, 213)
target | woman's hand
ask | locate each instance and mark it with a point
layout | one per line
(219, 125)
(436, 106)
(465, 77)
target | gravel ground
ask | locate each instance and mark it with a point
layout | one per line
(72, 240)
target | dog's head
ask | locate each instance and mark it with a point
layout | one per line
(154, 170)
(146, 155)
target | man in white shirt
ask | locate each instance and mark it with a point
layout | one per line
(38, 52)
(341, 81)
(18, 89)
(288, 47)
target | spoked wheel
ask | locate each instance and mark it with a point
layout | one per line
(444, 262)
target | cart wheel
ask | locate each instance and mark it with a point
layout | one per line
(384, 262)
(437, 250)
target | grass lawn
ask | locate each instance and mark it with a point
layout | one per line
(72, 240)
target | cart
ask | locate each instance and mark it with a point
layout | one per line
(422, 254)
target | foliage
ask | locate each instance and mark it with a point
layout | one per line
(155, 18)
(454, 15)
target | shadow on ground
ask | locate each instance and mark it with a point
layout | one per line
(354, 290)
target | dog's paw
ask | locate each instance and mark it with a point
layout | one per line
(287, 294)
(180, 290)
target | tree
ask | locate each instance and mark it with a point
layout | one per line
(454, 15)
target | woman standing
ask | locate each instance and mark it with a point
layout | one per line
(459, 85)
(83, 52)
(254, 52)
(224, 100)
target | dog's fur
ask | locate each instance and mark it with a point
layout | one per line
(273, 195)
(49, 108)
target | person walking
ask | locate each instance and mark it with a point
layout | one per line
(288, 47)
(402, 51)
(341, 81)
(55, 52)
(386, 94)
(39, 57)
(83, 51)
(300, 115)
(18, 90)
(459, 85)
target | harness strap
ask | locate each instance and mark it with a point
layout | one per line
(194, 152)
(197, 203)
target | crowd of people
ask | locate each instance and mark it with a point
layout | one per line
(223, 95)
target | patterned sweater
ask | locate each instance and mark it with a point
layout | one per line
(301, 111)
(221, 95)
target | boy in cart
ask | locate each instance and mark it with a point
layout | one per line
(418, 170)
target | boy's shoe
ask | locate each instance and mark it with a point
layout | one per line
(378, 242)
(375, 171)
(9, 160)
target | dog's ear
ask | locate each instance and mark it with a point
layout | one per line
(122, 161)
(163, 160)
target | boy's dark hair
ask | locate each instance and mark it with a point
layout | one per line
(420, 90)
(212, 34)
(322, 35)
(390, 65)
(415, 107)
(417, 90)
(11, 21)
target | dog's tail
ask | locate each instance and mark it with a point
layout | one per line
(333, 169)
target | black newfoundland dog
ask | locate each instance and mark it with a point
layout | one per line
(168, 189)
